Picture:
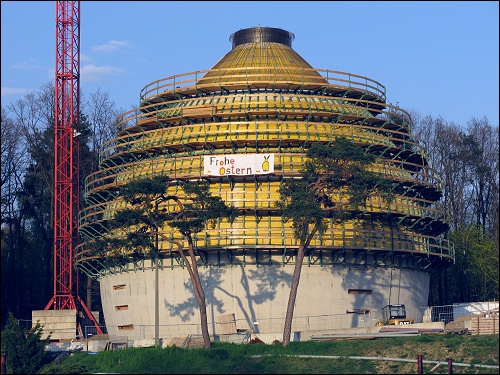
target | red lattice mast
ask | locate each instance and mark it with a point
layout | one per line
(67, 158)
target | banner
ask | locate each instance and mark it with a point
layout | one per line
(238, 165)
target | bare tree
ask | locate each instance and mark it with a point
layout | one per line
(466, 159)
(28, 276)
(484, 157)
(100, 112)
(27, 184)
(13, 155)
(11, 180)
(34, 115)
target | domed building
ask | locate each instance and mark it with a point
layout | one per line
(245, 126)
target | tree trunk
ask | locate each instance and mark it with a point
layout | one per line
(198, 290)
(204, 323)
(200, 295)
(293, 295)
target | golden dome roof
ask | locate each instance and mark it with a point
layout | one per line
(262, 56)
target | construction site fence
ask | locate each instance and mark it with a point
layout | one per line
(449, 313)
(265, 325)
(445, 314)
(368, 318)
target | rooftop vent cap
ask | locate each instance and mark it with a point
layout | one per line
(261, 34)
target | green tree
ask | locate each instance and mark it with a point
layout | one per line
(306, 201)
(477, 257)
(143, 220)
(24, 349)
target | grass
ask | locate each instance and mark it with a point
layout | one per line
(225, 358)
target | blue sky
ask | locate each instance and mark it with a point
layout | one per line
(437, 58)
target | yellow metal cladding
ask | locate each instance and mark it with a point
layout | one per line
(262, 62)
(262, 97)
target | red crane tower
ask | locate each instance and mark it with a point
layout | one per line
(67, 160)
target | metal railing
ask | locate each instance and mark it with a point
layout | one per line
(448, 313)
(444, 314)
(265, 325)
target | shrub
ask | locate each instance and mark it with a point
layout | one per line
(24, 349)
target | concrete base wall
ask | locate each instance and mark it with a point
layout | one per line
(60, 324)
(257, 296)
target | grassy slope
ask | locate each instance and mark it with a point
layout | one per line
(225, 358)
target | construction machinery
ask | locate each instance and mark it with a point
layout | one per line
(394, 315)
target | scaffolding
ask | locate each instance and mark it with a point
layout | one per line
(262, 97)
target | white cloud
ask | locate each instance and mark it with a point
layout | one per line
(93, 73)
(9, 91)
(27, 65)
(111, 46)
(85, 58)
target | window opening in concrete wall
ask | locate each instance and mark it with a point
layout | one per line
(126, 327)
(358, 311)
(359, 291)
